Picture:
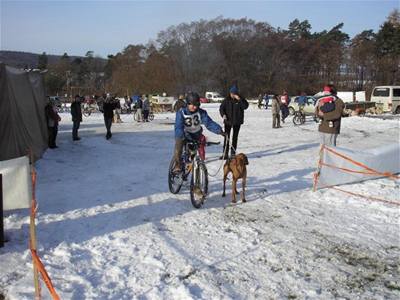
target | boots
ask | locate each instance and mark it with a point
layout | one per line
(178, 155)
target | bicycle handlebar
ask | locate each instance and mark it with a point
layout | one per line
(212, 143)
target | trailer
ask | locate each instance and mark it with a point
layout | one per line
(360, 108)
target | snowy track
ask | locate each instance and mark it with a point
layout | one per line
(108, 228)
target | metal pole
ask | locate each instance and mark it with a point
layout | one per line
(1, 213)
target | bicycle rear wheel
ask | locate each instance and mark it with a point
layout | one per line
(175, 181)
(298, 119)
(199, 185)
(151, 116)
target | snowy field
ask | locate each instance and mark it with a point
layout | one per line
(108, 228)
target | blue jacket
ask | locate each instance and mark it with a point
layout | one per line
(187, 122)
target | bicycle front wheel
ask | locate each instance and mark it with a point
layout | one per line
(175, 181)
(298, 119)
(151, 116)
(199, 185)
(86, 113)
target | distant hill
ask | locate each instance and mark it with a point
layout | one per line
(26, 59)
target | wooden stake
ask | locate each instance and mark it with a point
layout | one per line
(32, 228)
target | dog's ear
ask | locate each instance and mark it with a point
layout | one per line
(246, 161)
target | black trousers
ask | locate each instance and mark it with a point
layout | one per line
(75, 128)
(236, 129)
(108, 123)
(52, 136)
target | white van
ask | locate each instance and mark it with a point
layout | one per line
(384, 96)
(214, 97)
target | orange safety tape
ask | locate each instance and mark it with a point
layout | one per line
(316, 174)
(366, 197)
(386, 174)
(351, 171)
(44, 274)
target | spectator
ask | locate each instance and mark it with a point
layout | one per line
(76, 112)
(146, 108)
(275, 107)
(139, 106)
(330, 115)
(285, 100)
(266, 100)
(179, 103)
(52, 123)
(302, 100)
(232, 112)
(108, 113)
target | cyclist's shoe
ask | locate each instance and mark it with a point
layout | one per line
(76, 138)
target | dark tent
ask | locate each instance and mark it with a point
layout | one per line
(22, 113)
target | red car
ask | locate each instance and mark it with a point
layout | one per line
(204, 100)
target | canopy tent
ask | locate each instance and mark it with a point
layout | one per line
(23, 125)
(341, 166)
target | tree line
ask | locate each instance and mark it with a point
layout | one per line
(210, 55)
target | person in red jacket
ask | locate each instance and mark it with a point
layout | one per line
(52, 123)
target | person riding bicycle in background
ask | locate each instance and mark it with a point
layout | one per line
(188, 127)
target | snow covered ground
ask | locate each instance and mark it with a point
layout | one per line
(108, 228)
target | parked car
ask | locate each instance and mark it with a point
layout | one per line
(384, 96)
(308, 108)
(214, 97)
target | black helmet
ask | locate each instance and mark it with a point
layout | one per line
(193, 98)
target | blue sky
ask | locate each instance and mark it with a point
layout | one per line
(106, 27)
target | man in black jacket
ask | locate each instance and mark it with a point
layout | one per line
(108, 113)
(232, 112)
(76, 112)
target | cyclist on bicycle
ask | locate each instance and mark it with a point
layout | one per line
(188, 127)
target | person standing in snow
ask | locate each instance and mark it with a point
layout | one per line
(108, 113)
(232, 112)
(76, 113)
(188, 127)
(139, 106)
(275, 109)
(179, 103)
(285, 100)
(330, 116)
(146, 108)
(52, 123)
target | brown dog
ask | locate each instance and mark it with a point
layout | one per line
(236, 165)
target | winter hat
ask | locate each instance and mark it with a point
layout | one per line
(234, 89)
(327, 89)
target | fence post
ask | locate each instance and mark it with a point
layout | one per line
(1, 213)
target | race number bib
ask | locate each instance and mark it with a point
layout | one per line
(192, 122)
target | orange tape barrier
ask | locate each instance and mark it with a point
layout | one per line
(369, 171)
(45, 276)
(374, 172)
(32, 246)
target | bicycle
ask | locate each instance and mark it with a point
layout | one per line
(191, 163)
(87, 109)
(299, 117)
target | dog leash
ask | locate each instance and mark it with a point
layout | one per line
(223, 160)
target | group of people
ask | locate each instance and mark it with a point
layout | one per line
(189, 117)
(142, 106)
